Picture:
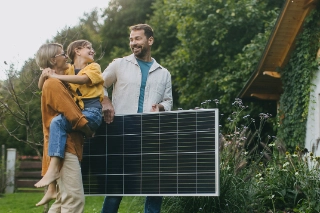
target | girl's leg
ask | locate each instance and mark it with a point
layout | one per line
(50, 194)
(94, 117)
(52, 174)
(59, 127)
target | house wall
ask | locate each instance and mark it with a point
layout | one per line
(312, 142)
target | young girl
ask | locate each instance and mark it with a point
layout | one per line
(86, 84)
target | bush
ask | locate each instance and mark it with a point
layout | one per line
(257, 174)
(2, 177)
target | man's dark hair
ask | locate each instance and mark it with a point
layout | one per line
(148, 31)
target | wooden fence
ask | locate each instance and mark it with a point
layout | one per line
(28, 173)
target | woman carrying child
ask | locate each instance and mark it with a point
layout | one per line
(85, 82)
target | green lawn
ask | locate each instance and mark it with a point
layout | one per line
(25, 203)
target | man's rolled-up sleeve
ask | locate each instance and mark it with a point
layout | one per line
(109, 76)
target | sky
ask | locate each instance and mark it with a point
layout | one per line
(27, 24)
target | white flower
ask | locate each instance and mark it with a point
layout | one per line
(285, 164)
(297, 173)
(271, 197)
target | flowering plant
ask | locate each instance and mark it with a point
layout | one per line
(257, 173)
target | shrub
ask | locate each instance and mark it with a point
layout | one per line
(2, 177)
(257, 174)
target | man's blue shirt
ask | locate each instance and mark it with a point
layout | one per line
(144, 67)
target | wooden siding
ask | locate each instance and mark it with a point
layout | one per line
(277, 51)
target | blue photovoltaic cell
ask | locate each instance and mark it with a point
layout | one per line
(167, 153)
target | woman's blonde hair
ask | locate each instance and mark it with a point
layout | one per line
(45, 53)
(76, 45)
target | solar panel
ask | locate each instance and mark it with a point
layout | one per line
(155, 154)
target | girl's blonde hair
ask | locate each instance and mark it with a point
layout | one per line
(76, 45)
(45, 53)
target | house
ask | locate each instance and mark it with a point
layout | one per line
(265, 82)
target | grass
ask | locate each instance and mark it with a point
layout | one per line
(25, 202)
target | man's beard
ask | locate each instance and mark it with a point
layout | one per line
(140, 54)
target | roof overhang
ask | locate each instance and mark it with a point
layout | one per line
(265, 81)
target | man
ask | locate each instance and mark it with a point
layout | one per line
(140, 84)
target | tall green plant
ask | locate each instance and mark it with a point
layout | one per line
(289, 182)
(257, 173)
(242, 151)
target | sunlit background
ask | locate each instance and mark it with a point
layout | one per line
(25, 25)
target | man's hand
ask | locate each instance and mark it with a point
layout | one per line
(107, 110)
(87, 131)
(157, 108)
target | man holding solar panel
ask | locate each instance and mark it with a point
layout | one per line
(140, 84)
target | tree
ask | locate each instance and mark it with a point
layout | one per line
(119, 15)
(20, 110)
(214, 38)
(89, 28)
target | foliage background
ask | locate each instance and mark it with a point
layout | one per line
(210, 47)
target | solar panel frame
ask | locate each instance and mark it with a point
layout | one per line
(111, 168)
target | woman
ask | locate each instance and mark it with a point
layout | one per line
(86, 84)
(55, 100)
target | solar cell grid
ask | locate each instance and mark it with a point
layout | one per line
(167, 153)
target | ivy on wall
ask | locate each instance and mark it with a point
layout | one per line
(297, 83)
